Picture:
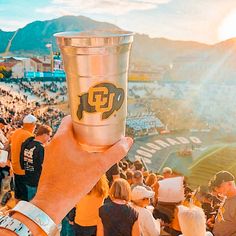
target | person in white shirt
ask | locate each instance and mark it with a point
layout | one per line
(192, 221)
(140, 197)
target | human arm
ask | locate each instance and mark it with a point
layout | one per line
(136, 229)
(69, 172)
(151, 225)
(100, 231)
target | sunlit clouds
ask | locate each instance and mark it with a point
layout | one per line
(227, 28)
(113, 7)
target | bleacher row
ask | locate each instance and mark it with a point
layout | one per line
(144, 122)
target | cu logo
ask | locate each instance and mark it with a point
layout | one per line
(104, 98)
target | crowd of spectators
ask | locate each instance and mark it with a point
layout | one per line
(49, 93)
(164, 204)
(143, 124)
(129, 200)
(14, 107)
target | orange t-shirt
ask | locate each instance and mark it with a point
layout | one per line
(87, 210)
(17, 138)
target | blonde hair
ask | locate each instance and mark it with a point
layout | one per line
(120, 189)
(151, 179)
(192, 221)
(101, 188)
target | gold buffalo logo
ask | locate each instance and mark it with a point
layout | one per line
(104, 97)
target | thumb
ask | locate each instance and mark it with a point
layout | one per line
(115, 153)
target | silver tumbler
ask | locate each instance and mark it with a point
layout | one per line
(96, 65)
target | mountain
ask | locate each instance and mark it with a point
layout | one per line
(185, 59)
(34, 36)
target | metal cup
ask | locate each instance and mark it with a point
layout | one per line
(96, 65)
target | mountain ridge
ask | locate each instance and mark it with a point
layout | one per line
(184, 57)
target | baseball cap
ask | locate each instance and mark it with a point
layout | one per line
(221, 177)
(2, 121)
(140, 192)
(29, 119)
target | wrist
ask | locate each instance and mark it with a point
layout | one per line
(55, 207)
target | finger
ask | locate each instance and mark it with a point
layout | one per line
(116, 152)
(65, 126)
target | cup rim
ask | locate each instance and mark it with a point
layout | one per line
(94, 34)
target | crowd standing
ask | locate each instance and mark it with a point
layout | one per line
(128, 200)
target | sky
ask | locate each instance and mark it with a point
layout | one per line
(207, 21)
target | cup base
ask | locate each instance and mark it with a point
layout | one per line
(89, 148)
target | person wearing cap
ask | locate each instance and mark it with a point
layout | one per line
(223, 183)
(17, 138)
(140, 197)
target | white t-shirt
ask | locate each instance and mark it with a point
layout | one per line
(148, 225)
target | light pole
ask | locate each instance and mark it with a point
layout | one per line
(49, 46)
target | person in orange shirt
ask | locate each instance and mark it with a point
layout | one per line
(86, 213)
(17, 138)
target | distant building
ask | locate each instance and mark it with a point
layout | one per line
(37, 65)
(15, 66)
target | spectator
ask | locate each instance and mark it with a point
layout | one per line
(141, 199)
(192, 221)
(113, 173)
(32, 157)
(138, 180)
(86, 214)
(129, 176)
(167, 172)
(225, 222)
(151, 180)
(138, 165)
(117, 217)
(17, 138)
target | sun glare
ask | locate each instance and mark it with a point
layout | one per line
(227, 28)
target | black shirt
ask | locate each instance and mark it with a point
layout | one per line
(31, 158)
(117, 219)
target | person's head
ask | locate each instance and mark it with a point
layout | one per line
(2, 123)
(141, 196)
(151, 179)
(101, 188)
(43, 133)
(129, 176)
(167, 172)
(125, 165)
(192, 221)
(138, 177)
(223, 183)
(138, 165)
(29, 123)
(120, 189)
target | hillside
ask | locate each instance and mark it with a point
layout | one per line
(33, 37)
(186, 60)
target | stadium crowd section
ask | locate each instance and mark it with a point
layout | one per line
(18, 100)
